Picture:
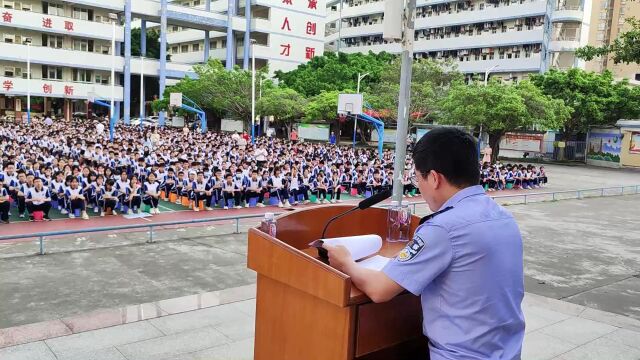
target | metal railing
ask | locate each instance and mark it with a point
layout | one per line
(579, 194)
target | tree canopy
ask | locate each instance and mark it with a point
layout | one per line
(153, 43)
(430, 81)
(625, 48)
(500, 108)
(284, 104)
(332, 72)
(594, 99)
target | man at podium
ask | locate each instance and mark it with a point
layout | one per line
(465, 259)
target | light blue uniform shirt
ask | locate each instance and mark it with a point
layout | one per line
(466, 264)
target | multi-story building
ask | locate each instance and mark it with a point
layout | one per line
(608, 20)
(511, 38)
(68, 47)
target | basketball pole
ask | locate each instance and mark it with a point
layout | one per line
(404, 98)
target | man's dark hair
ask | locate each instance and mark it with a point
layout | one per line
(450, 152)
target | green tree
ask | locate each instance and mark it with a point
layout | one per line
(153, 43)
(625, 48)
(218, 91)
(323, 106)
(332, 72)
(284, 104)
(500, 108)
(594, 99)
(430, 81)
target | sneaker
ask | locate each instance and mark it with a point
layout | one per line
(31, 218)
(333, 201)
(157, 211)
(102, 214)
(129, 212)
(226, 208)
(196, 209)
(96, 209)
(295, 203)
(238, 207)
(85, 216)
(339, 201)
(280, 204)
(306, 202)
(178, 202)
(322, 201)
(59, 208)
(71, 216)
(21, 215)
(64, 212)
(260, 205)
(113, 212)
(246, 205)
(208, 208)
(287, 204)
(139, 211)
(167, 199)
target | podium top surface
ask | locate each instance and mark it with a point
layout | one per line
(289, 259)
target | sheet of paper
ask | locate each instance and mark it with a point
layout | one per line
(376, 262)
(359, 246)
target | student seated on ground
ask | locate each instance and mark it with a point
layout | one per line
(202, 191)
(334, 188)
(231, 191)
(254, 190)
(76, 199)
(108, 198)
(319, 188)
(278, 188)
(295, 184)
(151, 193)
(542, 176)
(134, 196)
(38, 199)
(5, 204)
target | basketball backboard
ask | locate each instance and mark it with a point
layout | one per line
(350, 104)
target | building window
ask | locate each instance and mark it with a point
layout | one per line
(8, 4)
(196, 47)
(9, 71)
(174, 49)
(54, 9)
(175, 28)
(80, 45)
(80, 14)
(9, 38)
(51, 72)
(184, 48)
(214, 44)
(102, 79)
(224, 44)
(196, 3)
(52, 41)
(81, 75)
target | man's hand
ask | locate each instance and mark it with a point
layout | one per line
(340, 258)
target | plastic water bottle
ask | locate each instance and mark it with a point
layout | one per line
(393, 226)
(268, 224)
(404, 220)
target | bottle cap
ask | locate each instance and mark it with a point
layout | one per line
(268, 216)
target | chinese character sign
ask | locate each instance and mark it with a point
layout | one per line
(312, 4)
(68, 90)
(68, 25)
(311, 28)
(47, 23)
(309, 52)
(47, 88)
(285, 24)
(7, 17)
(7, 85)
(286, 49)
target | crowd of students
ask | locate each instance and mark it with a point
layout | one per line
(499, 177)
(74, 168)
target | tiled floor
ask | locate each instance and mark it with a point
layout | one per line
(555, 330)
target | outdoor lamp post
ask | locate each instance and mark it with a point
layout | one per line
(112, 121)
(253, 91)
(27, 42)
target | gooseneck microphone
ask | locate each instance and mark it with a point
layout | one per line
(364, 204)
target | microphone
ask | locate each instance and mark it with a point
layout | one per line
(364, 204)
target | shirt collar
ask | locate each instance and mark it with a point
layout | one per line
(463, 194)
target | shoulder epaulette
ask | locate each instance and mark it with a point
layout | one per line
(431, 216)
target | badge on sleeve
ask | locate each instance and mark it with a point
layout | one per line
(412, 249)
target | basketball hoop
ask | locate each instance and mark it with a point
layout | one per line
(342, 117)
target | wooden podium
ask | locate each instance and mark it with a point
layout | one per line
(308, 310)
